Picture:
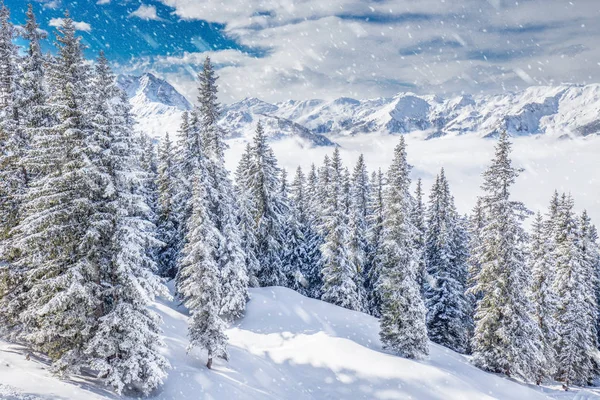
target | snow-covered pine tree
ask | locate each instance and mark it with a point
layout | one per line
(576, 340)
(590, 255)
(505, 337)
(448, 309)
(124, 347)
(13, 143)
(375, 235)
(230, 255)
(295, 251)
(199, 279)
(246, 213)
(418, 220)
(313, 238)
(149, 164)
(62, 237)
(403, 329)
(477, 221)
(35, 113)
(167, 218)
(359, 227)
(339, 285)
(269, 210)
(541, 266)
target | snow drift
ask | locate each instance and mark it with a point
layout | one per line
(286, 347)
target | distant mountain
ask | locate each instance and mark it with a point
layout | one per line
(158, 107)
(569, 110)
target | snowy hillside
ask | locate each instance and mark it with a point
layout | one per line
(286, 347)
(554, 110)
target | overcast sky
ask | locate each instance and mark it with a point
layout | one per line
(299, 49)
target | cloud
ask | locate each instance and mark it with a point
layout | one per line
(147, 13)
(80, 26)
(317, 49)
(52, 4)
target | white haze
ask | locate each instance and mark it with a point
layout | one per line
(549, 164)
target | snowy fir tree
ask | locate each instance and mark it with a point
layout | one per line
(200, 282)
(268, 210)
(541, 265)
(403, 329)
(246, 214)
(359, 218)
(62, 211)
(448, 309)
(300, 260)
(167, 218)
(576, 340)
(13, 142)
(418, 220)
(505, 337)
(125, 346)
(312, 236)
(375, 236)
(230, 256)
(339, 274)
(476, 223)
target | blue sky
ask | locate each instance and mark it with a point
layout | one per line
(280, 49)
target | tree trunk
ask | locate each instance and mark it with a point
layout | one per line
(209, 363)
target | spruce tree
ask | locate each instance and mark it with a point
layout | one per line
(541, 265)
(200, 281)
(167, 219)
(448, 316)
(576, 339)
(63, 233)
(418, 219)
(375, 235)
(230, 256)
(124, 347)
(403, 329)
(13, 143)
(269, 210)
(505, 337)
(359, 217)
(339, 275)
(246, 213)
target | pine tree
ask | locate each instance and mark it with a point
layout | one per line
(199, 280)
(359, 217)
(230, 256)
(418, 220)
(269, 211)
(124, 347)
(314, 240)
(505, 338)
(63, 233)
(167, 221)
(576, 339)
(448, 316)
(13, 143)
(403, 329)
(375, 235)
(339, 284)
(544, 298)
(246, 213)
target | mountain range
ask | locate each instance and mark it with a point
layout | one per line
(561, 111)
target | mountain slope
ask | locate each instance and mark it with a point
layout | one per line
(286, 347)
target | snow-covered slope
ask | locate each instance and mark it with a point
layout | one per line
(286, 347)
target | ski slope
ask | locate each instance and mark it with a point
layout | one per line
(287, 347)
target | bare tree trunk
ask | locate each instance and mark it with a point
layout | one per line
(209, 363)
